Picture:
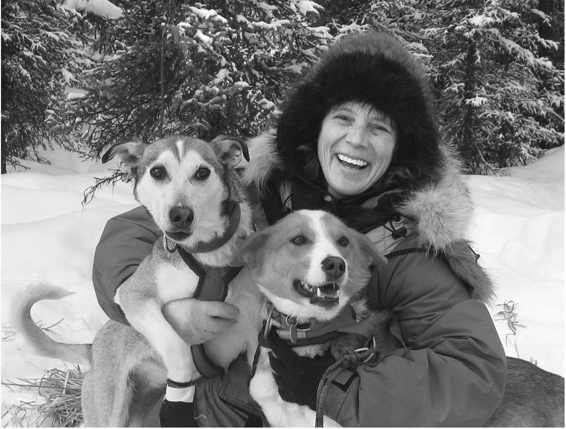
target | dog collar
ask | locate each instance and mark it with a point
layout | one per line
(304, 333)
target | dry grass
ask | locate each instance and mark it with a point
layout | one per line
(509, 314)
(61, 406)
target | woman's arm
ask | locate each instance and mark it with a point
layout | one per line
(452, 371)
(126, 240)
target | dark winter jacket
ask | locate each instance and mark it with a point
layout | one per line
(449, 369)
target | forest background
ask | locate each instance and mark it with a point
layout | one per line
(85, 74)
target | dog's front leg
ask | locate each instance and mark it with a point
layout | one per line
(175, 353)
(264, 390)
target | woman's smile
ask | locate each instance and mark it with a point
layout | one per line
(351, 162)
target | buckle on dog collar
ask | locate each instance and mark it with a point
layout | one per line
(288, 326)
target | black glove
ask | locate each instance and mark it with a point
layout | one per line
(177, 414)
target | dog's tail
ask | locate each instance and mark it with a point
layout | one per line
(35, 336)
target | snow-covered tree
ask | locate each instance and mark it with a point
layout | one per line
(494, 105)
(499, 99)
(223, 67)
(199, 69)
(40, 58)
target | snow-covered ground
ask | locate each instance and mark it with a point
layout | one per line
(47, 236)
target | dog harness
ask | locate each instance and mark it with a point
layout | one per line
(213, 281)
(212, 286)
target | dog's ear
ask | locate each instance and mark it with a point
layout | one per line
(230, 151)
(130, 154)
(376, 262)
(368, 249)
(252, 249)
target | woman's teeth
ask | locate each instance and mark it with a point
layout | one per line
(351, 162)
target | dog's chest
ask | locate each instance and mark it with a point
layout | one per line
(175, 280)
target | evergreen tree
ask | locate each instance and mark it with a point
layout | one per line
(494, 106)
(203, 69)
(40, 57)
(499, 100)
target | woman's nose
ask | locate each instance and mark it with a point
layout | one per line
(356, 135)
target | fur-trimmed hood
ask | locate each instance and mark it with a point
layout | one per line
(440, 211)
(374, 69)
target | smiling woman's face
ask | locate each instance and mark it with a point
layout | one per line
(355, 147)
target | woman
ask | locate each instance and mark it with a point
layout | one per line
(358, 138)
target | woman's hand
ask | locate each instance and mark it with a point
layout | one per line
(199, 321)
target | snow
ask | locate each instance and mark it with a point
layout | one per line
(102, 8)
(47, 236)
(306, 6)
(208, 14)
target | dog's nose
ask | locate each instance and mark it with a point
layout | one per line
(333, 267)
(181, 216)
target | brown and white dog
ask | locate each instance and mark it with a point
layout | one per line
(309, 266)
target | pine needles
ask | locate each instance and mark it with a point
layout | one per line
(117, 176)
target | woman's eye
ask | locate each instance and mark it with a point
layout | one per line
(299, 240)
(342, 118)
(343, 241)
(202, 173)
(158, 173)
(378, 129)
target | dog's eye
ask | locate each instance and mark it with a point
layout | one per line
(158, 173)
(202, 173)
(299, 240)
(343, 241)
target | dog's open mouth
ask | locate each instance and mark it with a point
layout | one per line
(325, 294)
(178, 235)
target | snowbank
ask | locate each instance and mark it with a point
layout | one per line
(518, 229)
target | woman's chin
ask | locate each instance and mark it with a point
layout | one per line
(348, 182)
(348, 188)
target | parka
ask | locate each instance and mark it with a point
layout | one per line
(449, 366)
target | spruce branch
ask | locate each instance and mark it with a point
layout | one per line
(117, 176)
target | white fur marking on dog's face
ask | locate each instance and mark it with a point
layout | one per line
(323, 247)
(180, 187)
(180, 148)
